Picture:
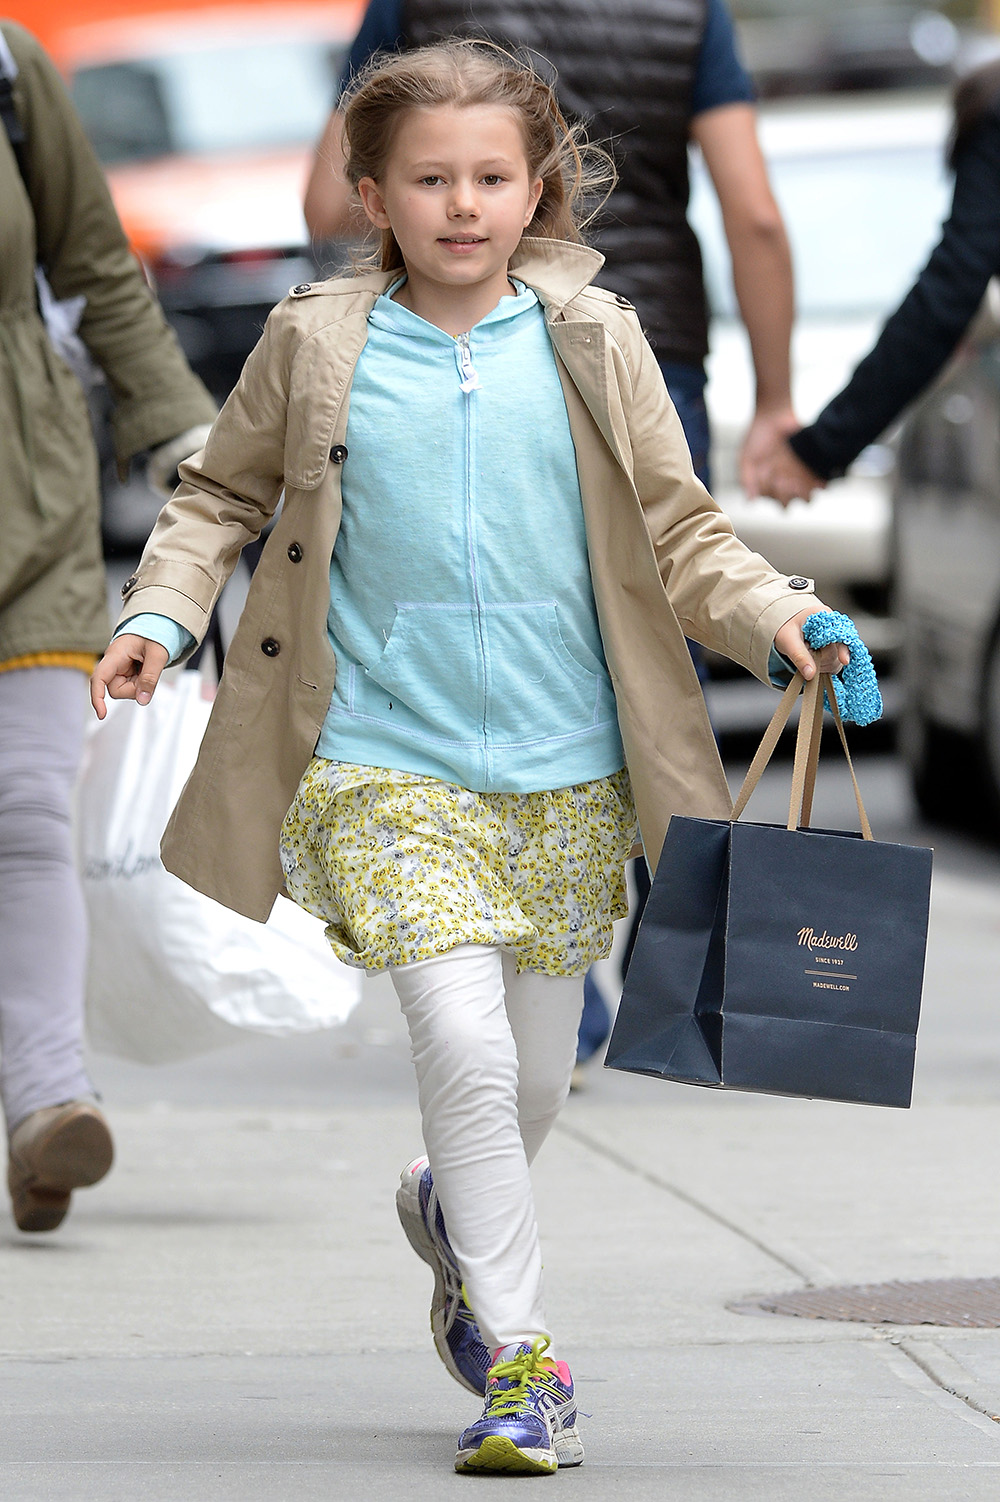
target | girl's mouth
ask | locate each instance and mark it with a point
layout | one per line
(462, 245)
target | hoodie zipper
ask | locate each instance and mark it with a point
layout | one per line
(470, 383)
(466, 369)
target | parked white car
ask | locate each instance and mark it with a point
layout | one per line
(862, 184)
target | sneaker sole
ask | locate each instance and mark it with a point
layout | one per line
(568, 1447)
(498, 1453)
(417, 1234)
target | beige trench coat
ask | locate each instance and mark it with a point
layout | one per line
(664, 562)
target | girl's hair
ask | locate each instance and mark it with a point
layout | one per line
(975, 96)
(576, 176)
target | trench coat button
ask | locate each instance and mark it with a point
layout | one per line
(298, 290)
(338, 453)
(295, 553)
(129, 584)
(797, 582)
(270, 647)
(622, 301)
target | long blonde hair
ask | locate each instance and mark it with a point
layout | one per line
(576, 176)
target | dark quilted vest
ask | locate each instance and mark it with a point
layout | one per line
(626, 68)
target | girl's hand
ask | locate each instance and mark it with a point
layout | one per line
(129, 669)
(790, 642)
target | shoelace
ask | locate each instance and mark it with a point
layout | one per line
(520, 1370)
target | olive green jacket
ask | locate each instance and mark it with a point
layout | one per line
(664, 562)
(52, 589)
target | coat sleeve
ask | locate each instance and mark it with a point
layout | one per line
(725, 596)
(84, 251)
(227, 494)
(922, 333)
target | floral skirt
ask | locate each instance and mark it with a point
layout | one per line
(402, 867)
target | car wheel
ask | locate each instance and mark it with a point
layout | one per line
(945, 773)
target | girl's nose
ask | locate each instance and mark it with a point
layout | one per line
(464, 202)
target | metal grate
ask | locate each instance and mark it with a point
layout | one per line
(968, 1303)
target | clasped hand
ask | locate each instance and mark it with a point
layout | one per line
(769, 466)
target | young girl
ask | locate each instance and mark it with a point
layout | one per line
(461, 658)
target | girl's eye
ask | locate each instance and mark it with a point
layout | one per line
(430, 181)
(491, 179)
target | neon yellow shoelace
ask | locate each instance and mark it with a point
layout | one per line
(519, 1370)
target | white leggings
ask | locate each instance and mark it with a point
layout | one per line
(493, 1052)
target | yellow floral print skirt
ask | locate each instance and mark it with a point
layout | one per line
(402, 867)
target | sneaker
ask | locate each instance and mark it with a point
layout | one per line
(453, 1326)
(51, 1153)
(529, 1422)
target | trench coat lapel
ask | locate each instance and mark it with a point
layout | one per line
(582, 349)
(558, 272)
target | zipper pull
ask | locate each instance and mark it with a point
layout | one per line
(470, 379)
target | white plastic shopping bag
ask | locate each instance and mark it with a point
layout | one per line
(172, 973)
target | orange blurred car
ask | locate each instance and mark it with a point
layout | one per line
(205, 118)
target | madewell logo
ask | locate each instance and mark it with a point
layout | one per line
(813, 940)
(834, 977)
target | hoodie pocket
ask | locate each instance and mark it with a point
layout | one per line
(539, 687)
(428, 680)
(500, 673)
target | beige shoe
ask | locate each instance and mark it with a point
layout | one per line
(53, 1152)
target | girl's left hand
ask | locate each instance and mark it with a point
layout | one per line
(790, 642)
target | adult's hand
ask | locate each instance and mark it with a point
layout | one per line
(764, 440)
(129, 669)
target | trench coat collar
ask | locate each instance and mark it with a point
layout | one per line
(556, 269)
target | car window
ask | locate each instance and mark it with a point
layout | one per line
(861, 224)
(237, 97)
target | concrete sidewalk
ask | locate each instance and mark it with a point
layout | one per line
(235, 1313)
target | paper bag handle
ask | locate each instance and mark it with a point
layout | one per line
(807, 748)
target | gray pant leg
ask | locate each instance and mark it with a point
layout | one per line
(43, 933)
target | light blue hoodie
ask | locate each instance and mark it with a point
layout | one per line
(462, 611)
(461, 606)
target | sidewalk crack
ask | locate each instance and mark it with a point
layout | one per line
(948, 1373)
(686, 1198)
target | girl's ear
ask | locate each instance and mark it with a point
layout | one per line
(534, 194)
(373, 203)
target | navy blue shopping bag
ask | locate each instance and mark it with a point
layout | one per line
(780, 959)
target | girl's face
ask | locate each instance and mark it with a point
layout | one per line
(457, 194)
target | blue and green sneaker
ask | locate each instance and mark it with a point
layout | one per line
(453, 1325)
(529, 1422)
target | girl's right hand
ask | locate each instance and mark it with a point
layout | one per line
(129, 669)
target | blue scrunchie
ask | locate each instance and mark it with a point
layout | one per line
(855, 686)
